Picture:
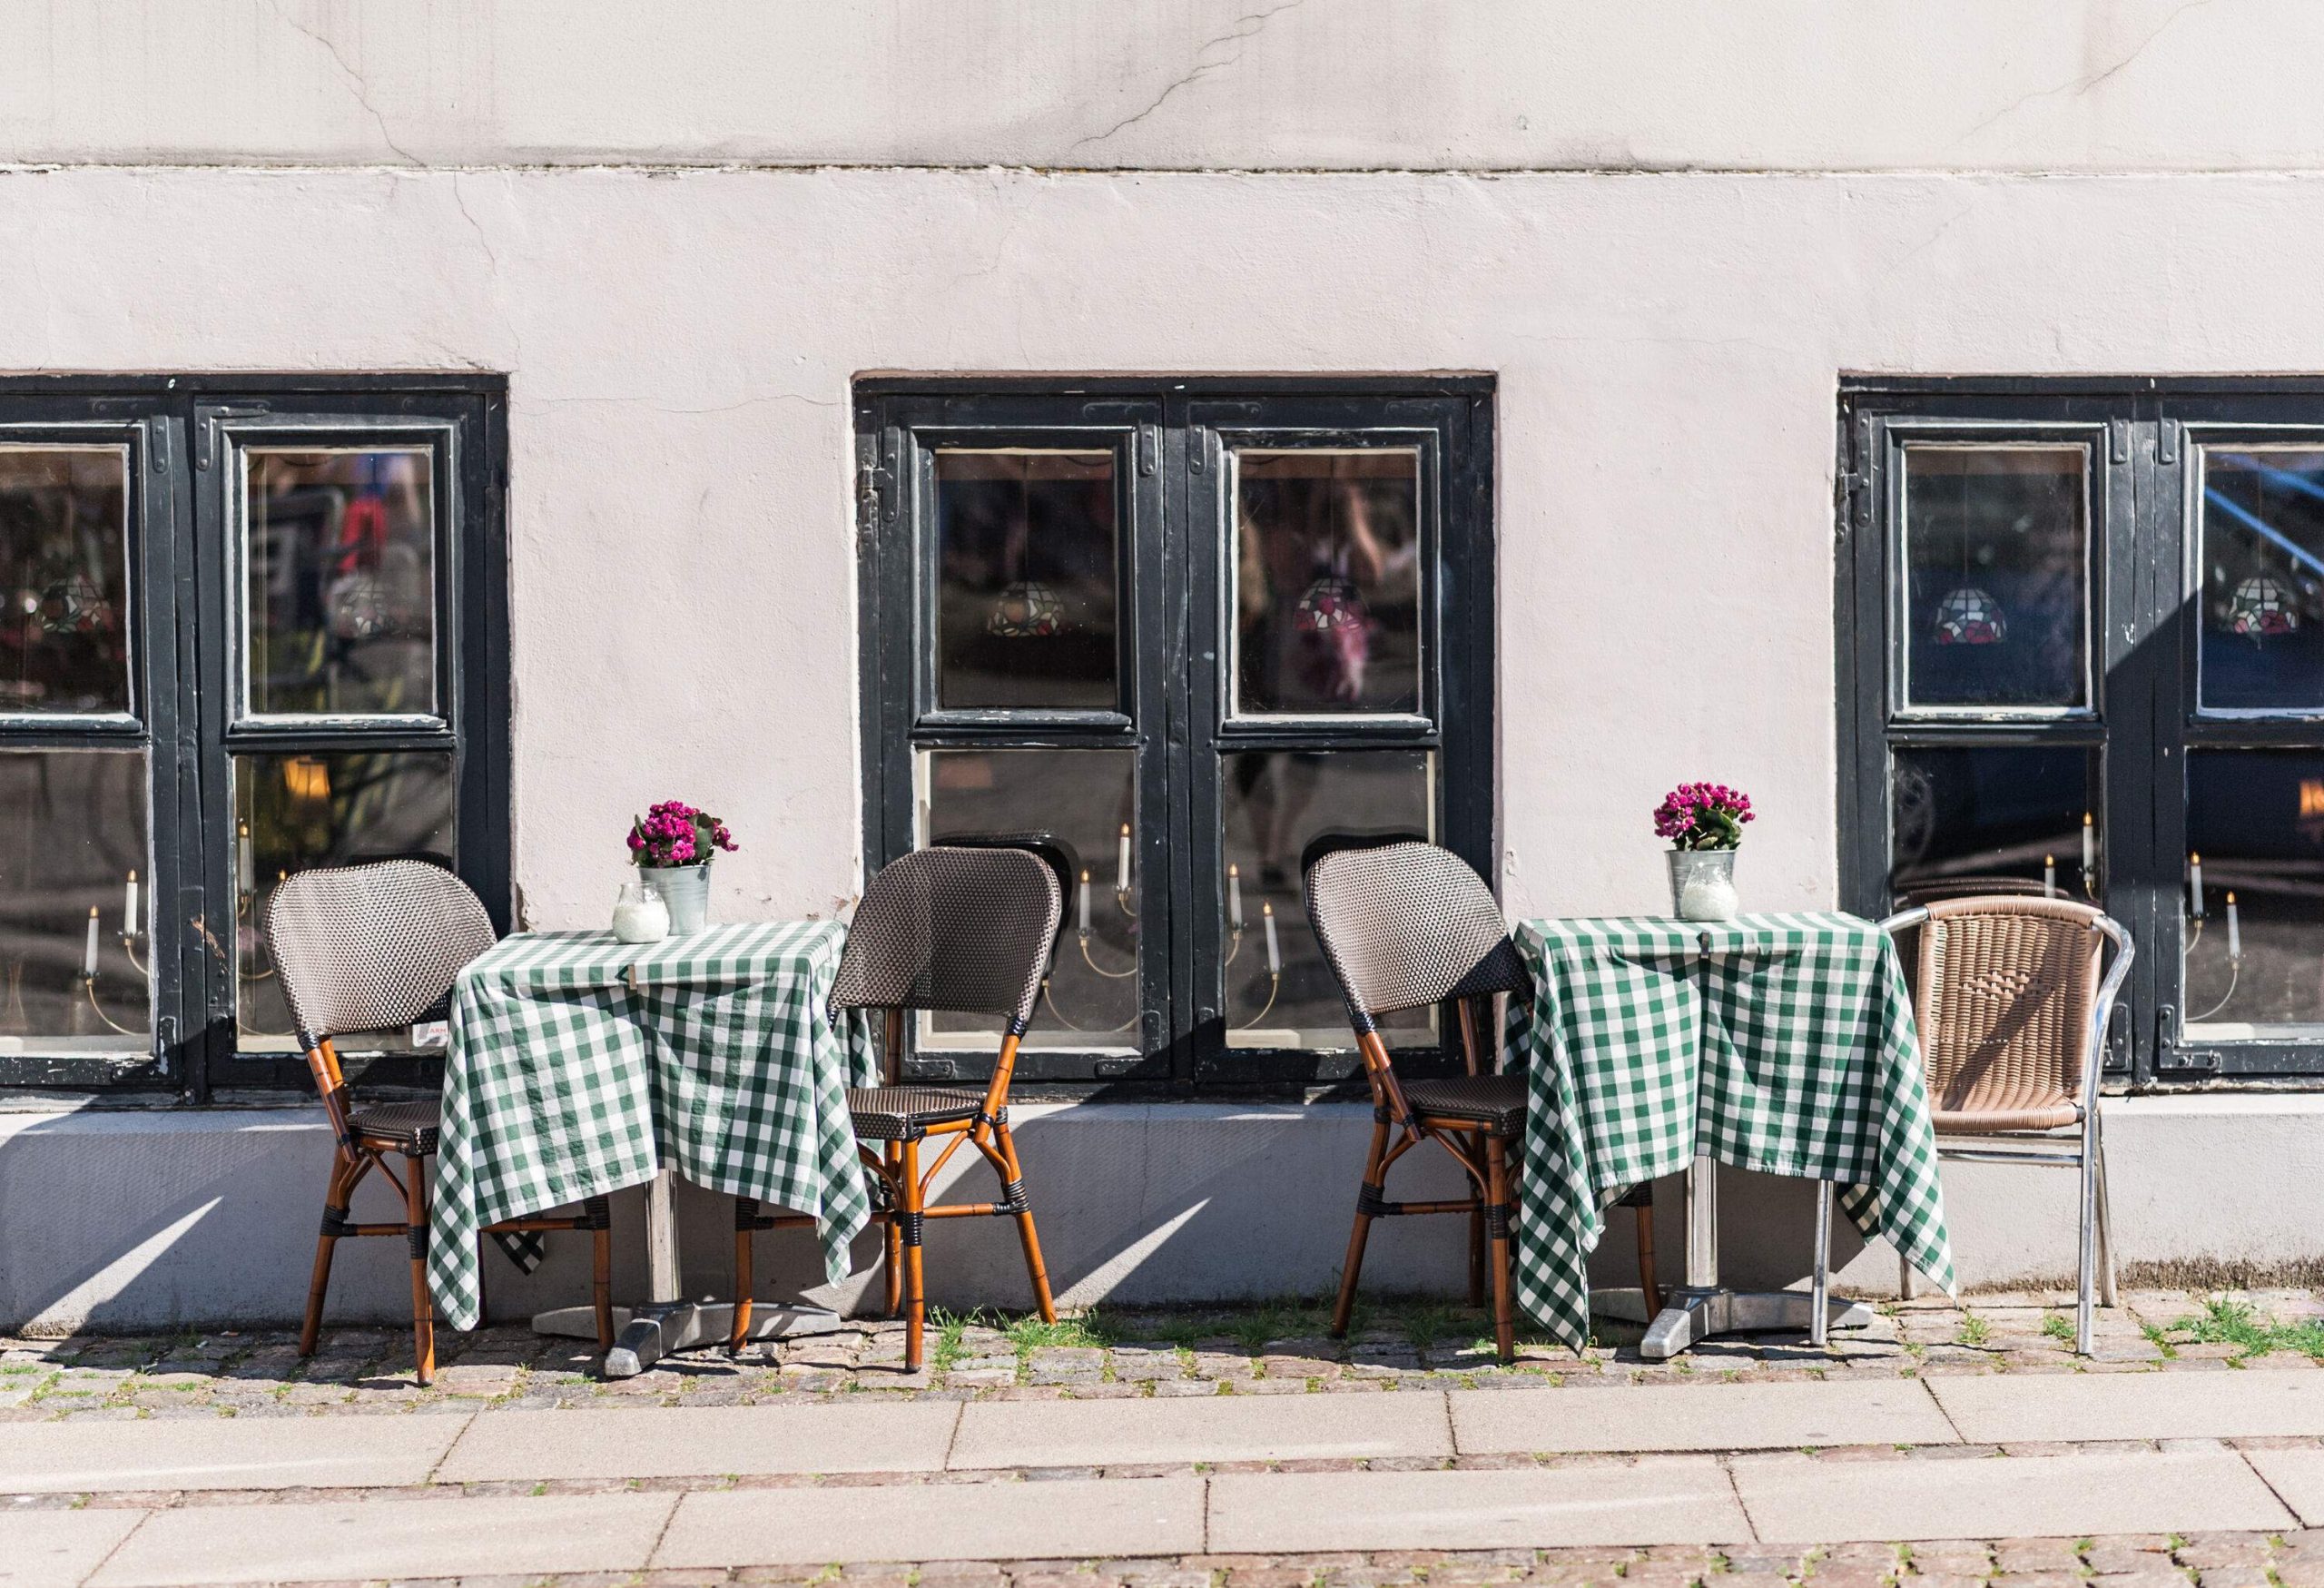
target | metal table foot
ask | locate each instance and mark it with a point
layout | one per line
(1627, 1305)
(1695, 1314)
(644, 1334)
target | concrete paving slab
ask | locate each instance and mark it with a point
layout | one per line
(56, 1549)
(2009, 1408)
(995, 1521)
(1678, 1499)
(1214, 1428)
(1793, 1499)
(1742, 1417)
(703, 1441)
(2298, 1478)
(368, 1540)
(222, 1453)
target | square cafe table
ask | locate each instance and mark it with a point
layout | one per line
(579, 1064)
(1782, 1043)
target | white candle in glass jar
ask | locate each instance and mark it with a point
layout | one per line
(1274, 950)
(2195, 886)
(89, 955)
(2234, 931)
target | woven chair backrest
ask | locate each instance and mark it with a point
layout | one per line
(2004, 993)
(1406, 925)
(368, 948)
(962, 931)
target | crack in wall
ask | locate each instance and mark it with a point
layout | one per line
(2081, 85)
(357, 85)
(1245, 28)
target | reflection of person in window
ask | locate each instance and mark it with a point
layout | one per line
(1308, 549)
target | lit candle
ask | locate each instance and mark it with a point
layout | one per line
(2234, 930)
(2049, 876)
(245, 862)
(1274, 948)
(2195, 886)
(89, 954)
(2089, 849)
(1235, 897)
(1085, 905)
(1121, 864)
(128, 908)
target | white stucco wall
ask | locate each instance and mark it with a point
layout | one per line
(1800, 84)
(681, 346)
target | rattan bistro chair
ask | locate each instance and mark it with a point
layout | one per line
(957, 931)
(368, 948)
(1406, 925)
(2013, 1014)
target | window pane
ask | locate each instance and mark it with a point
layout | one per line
(63, 556)
(293, 811)
(1273, 805)
(2256, 819)
(1025, 595)
(1995, 821)
(2262, 614)
(76, 838)
(1082, 799)
(1327, 583)
(1996, 612)
(342, 581)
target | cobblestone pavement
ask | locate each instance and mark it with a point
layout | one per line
(2223, 1560)
(1256, 1350)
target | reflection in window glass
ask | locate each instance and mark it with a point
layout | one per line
(74, 944)
(1080, 800)
(342, 581)
(1274, 807)
(2262, 550)
(1326, 581)
(1995, 607)
(1025, 595)
(294, 812)
(1994, 820)
(64, 562)
(2255, 830)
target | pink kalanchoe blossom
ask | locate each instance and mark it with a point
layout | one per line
(1703, 815)
(676, 834)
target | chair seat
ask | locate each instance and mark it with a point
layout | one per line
(1986, 1121)
(404, 1126)
(1495, 1101)
(897, 1113)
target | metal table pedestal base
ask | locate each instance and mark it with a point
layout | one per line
(1693, 1314)
(642, 1335)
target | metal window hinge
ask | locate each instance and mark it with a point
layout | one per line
(1149, 449)
(2170, 1058)
(205, 430)
(2166, 441)
(2119, 442)
(870, 491)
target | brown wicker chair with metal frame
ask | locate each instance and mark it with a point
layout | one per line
(368, 948)
(2013, 1016)
(957, 931)
(1406, 925)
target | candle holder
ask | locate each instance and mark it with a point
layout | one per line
(2196, 916)
(1082, 932)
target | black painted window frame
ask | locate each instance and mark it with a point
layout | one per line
(2143, 433)
(182, 430)
(1170, 434)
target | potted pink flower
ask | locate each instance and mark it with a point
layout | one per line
(672, 845)
(1704, 821)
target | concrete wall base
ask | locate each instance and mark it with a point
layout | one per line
(131, 1221)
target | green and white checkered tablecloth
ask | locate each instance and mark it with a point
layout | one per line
(562, 1082)
(1776, 1042)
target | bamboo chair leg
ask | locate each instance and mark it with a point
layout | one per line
(601, 1283)
(745, 1210)
(1650, 1291)
(908, 1215)
(1035, 1269)
(1504, 1323)
(1354, 1265)
(895, 1237)
(1477, 1254)
(335, 1200)
(423, 1308)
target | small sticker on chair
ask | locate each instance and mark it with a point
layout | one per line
(432, 1033)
